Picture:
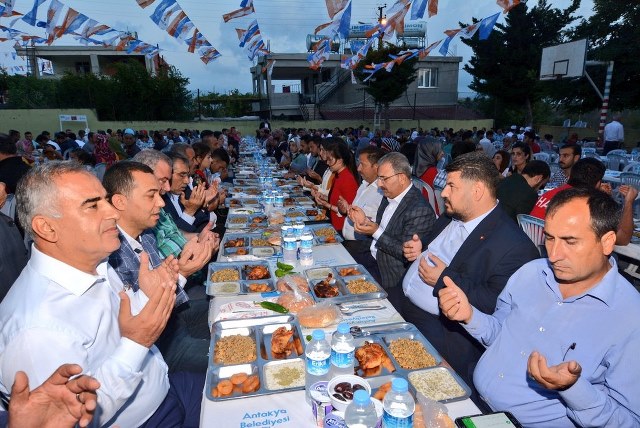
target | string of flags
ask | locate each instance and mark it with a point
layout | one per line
(170, 17)
(395, 24)
(250, 38)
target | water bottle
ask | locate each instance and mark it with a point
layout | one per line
(298, 228)
(289, 247)
(279, 200)
(306, 248)
(398, 406)
(342, 351)
(361, 413)
(318, 356)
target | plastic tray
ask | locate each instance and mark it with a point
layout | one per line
(321, 238)
(316, 275)
(383, 335)
(260, 330)
(238, 282)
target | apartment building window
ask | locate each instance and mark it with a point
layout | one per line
(428, 78)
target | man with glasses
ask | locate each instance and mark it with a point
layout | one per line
(186, 212)
(402, 214)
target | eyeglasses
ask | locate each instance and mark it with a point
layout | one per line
(384, 179)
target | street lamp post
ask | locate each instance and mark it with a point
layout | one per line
(382, 20)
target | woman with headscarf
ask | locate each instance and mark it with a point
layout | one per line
(428, 153)
(102, 151)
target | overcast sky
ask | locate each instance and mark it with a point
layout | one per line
(283, 23)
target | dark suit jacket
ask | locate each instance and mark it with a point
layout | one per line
(413, 216)
(202, 217)
(516, 196)
(495, 249)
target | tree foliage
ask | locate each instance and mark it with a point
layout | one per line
(386, 87)
(131, 93)
(505, 67)
(233, 104)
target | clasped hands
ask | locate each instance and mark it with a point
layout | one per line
(455, 305)
(361, 223)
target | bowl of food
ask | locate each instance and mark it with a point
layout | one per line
(342, 387)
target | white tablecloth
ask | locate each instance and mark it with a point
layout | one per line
(290, 409)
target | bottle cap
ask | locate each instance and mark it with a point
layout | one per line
(399, 385)
(343, 328)
(361, 397)
(317, 335)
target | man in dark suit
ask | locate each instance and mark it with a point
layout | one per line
(403, 213)
(183, 204)
(475, 244)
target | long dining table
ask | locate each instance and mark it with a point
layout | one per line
(289, 409)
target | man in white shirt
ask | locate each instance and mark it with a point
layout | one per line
(476, 244)
(613, 135)
(402, 213)
(135, 192)
(368, 196)
(68, 305)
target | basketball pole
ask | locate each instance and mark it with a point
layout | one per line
(605, 103)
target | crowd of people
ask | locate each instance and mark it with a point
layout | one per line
(106, 236)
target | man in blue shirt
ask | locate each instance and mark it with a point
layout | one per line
(563, 342)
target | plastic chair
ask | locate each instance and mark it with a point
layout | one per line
(589, 152)
(589, 144)
(632, 167)
(616, 162)
(542, 156)
(533, 227)
(439, 201)
(553, 156)
(630, 178)
(428, 192)
(619, 152)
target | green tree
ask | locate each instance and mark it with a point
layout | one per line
(131, 93)
(233, 104)
(386, 86)
(506, 66)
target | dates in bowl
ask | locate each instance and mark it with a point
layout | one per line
(341, 389)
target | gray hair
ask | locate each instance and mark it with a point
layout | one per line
(151, 157)
(399, 163)
(37, 193)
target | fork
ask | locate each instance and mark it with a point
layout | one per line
(347, 311)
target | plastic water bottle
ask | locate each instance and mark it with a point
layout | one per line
(318, 356)
(361, 413)
(289, 247)
(298, 228)
(306, 248)
(342, 351)
(398, 406)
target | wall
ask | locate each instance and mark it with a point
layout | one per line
(37, 120)
(631, 136)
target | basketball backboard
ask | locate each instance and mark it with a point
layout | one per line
(563, 61)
